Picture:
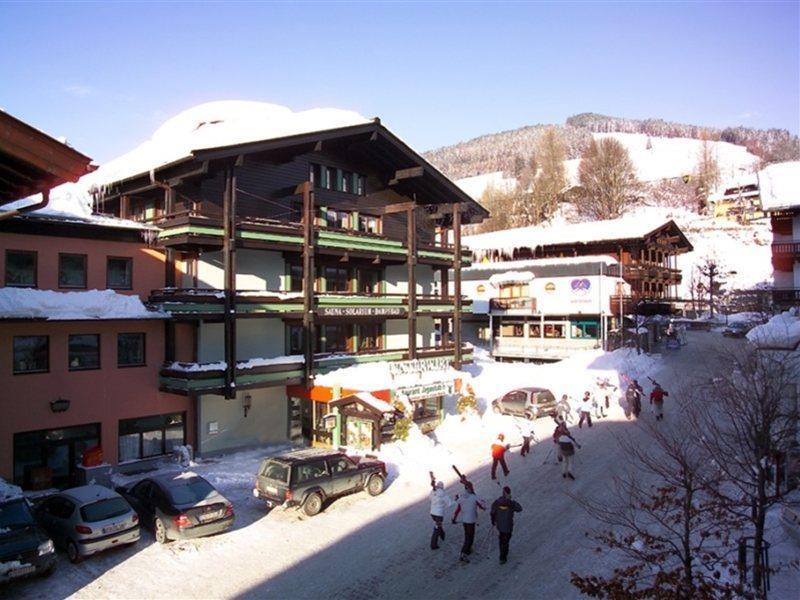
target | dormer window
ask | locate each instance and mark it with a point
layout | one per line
(337, 180)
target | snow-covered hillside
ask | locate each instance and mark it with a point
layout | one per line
(655, 159)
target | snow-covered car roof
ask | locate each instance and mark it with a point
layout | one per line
(89, 493)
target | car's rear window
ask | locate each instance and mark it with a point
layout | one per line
(14, 515)
(189, 491)
(275, 470)
(104, 509)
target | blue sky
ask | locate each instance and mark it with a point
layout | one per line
(106, 75)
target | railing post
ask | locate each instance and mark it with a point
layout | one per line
(411, 263)
(309, 322)
(169, 253)
(457, 284)
(229, 264)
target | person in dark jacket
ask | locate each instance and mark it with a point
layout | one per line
(502, 514)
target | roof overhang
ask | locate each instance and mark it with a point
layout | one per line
(32, 162)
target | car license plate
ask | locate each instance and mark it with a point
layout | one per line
(205, 518)
(113, 528)
(22, 571)
(272, 490)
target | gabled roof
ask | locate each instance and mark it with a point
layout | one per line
(32, 162)
(224, 131)
(780, 186)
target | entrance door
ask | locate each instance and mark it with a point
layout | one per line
(359, 433)
(49, 457)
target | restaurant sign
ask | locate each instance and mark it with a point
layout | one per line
(426, 390)
(419, 365)
(361, 311)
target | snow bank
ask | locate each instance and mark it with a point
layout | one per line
(499, 279)
(780, 185)
(9, 490)
(780, 332)
(21, 303)
(246, 364)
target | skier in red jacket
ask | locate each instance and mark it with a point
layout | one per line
(499, 448)
(657, 400)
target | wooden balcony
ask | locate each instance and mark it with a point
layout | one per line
(641, 305)
(209, 378)
(198, 303)
(637, 270)
(790, 249)
(190, 231)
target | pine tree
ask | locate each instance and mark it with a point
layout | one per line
(608, 180)
(707, 176)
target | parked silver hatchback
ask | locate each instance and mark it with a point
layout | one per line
(88, 519)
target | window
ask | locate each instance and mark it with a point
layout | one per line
(514, 291)
(369, 336)
(72, 270)
(337, 279)
(310, 471)
(336, 337)
(31, 354)
(84, 352)
(295, 337)
(295, 278)
(20, 268)
(369, 224)
(331, 178)
(512, 330)
(150, 436)
(585, 329)
(369, 281)
(130, 350)
(119, 273)
(554, 330)
(337, 218)
(340, 465)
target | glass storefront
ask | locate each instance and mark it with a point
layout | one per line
(48, 458)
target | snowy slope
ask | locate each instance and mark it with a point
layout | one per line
(667, 158)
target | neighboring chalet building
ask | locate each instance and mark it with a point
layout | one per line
(304, 243)
(547, 291)
(780, 198)
(79, 369)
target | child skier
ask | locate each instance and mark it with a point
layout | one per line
(467, 507)
(566, 446)
(585, 410)
(657, 400)
(563, 408)
(498, 455)
(525, 427)
(561, 429)
(633, 399)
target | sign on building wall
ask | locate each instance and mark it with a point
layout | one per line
(427, 390)
(419, 365)
(361, 311)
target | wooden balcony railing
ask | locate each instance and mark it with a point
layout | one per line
(789, 249)
(208, 378)
(786, 296)
(187, 228)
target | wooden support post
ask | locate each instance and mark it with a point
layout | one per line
(229, 264)
(411, 262)
(445, 292)
(457, 284)
(169, 340)
(169, 253)
(309, 322)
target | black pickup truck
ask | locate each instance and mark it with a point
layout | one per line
(307, 478)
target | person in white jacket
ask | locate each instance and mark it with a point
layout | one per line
(468, 506)
(525, 427)
(440, 502)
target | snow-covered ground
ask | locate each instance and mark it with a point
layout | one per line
(363, 547)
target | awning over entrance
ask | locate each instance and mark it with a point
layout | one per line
(368, 402)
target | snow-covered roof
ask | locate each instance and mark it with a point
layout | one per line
(376, 403)
(780, 185)
(218, 124)
(780, 332)
(560, 232)
(509, 277)
(245, 364)
(23, 303)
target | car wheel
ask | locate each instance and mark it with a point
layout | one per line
(497, 410)
(161, 532)
(375, 485)
(312, 505)
(73, 553)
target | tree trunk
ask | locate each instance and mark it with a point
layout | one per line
(758, 537)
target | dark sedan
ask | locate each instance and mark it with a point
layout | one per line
(179, 506)
(737, 330)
